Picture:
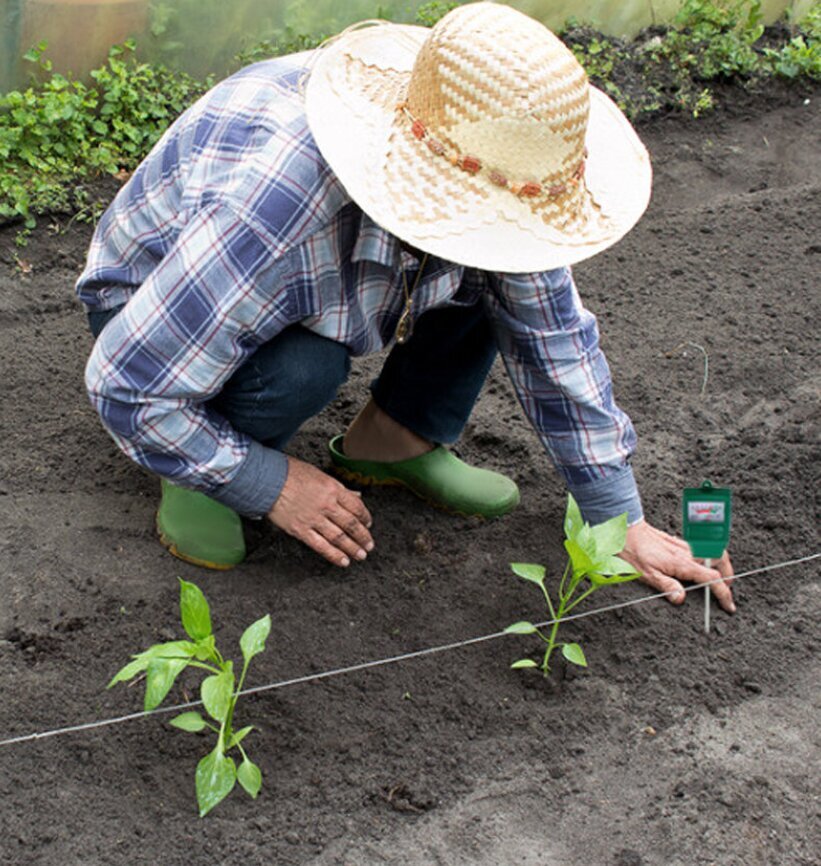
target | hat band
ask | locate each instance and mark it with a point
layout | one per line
(473, 165)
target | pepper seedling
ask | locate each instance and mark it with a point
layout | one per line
(162, 663)
(592, 563)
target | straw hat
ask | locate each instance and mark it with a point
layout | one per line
(479, 140)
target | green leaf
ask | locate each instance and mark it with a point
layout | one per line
(574, 653)
(250, 777)
(524, 663)
(610, 536)
(600, 580)
(215, 779)
(529, 571)
(582, 563)
(253, 638)
(614, 565)
(159, 677)
(522, 627)
(191, 721)
(172, 649)
(239, 736)
(573, 521)
(194, 611)
(206, 649)
(217, 692)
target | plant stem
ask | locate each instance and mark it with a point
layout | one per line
(549, 602)
(204, 666)
(229, 718)
(551, 640)
(564, 579)
(580, 599)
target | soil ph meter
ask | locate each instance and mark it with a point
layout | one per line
(706, 517)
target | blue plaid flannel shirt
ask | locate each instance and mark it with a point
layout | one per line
(233, 228)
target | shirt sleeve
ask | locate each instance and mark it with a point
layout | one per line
(208, 305)
(550, 346)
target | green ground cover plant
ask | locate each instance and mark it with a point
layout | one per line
(710, 42)
(592, 563)
(60, 134)
(60, 131)
(162, 663)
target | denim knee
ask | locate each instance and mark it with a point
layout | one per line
(284, 383)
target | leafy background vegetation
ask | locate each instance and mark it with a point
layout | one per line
(60, 134)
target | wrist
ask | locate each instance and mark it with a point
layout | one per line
(607, 497)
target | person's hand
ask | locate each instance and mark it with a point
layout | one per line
(665, 560)
(323, 514)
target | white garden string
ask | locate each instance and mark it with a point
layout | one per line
(391, 660)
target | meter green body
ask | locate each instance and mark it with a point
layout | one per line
(706, 517)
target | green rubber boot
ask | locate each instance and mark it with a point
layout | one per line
(439, 477)
(197, 529)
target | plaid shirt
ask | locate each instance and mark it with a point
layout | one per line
(233, 228)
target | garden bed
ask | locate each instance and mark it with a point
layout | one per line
(672, 748)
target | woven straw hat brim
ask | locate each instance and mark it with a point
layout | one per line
(354, 86)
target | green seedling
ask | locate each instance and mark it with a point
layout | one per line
(162, 663)
(592, 563)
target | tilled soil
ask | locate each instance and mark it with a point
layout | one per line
(673, 748)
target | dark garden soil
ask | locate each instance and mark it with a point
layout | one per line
(672, 748)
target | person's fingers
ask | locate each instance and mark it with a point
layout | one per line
(324, 548)
(678, 544)
(663, 583)
(353, 526)
(352, 501)
(339, 538)
(701, 574)
(725, 566)
(723, 593)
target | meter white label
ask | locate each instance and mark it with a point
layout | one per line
(705, 512)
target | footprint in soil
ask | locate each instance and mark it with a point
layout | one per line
(33, 646)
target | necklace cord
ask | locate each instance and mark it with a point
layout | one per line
(404, 327)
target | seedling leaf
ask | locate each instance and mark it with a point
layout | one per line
(239, 736)
(522, 627)
(205, 648)
(601, 580)
(250, 777)
(216, 693)
(191, 721)
(610, 536)
(253, 638)
(194, 611)
(580, 558)
(573, 520)
(529, 571)
(172, 649)
(159, 677)
(574, 653)
(615, 565)
(215, 779)
(524, 663)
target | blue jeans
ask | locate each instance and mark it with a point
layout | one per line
(428, 385)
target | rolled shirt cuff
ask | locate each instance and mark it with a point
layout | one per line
(608, 497)
(257, 484)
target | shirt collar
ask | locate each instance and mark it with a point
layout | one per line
(374, 244)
